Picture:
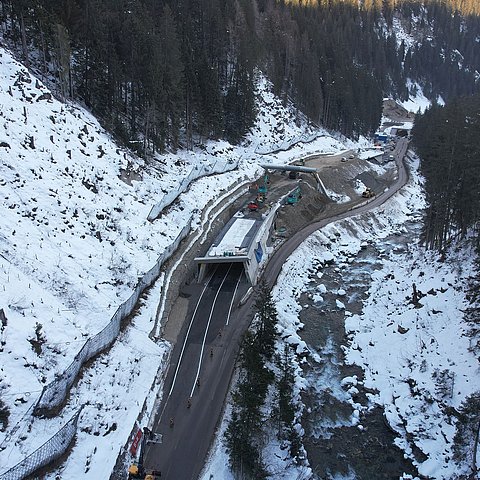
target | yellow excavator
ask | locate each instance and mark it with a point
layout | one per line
(136, 471)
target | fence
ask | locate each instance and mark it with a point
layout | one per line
(198, 172)
(287, 144)
(194, 174)
(54, 394)
(52, 449)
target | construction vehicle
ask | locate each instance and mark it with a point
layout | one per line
(368, 193)
(136, 470)
(294, 196)
(263, 188)
(260, 200)
(252, 206)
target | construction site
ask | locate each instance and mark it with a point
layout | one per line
(283, 200)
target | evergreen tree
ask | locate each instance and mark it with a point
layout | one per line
(245, 435)
(63, 61)
(467, 435)
(286, 411)
(472, 312)
(167, 79)
(159, 71)
(444, 138)
(267, 320)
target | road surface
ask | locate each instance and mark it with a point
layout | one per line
(198, 376)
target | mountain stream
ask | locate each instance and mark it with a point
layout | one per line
(338, 445)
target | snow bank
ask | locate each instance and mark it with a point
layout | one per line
(408, 351)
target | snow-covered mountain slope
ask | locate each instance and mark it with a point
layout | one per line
(74, 238)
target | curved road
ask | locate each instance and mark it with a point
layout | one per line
(201, 367)
(276, 262)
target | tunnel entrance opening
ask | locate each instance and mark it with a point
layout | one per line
(207, 268)
(237, 244)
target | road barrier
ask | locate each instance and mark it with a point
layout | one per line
(54, 394)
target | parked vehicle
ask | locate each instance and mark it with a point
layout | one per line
(136, 471)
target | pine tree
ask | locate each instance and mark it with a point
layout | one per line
(286, 412)
(267, 320)
(63, 61)
(244, 434)
(168, 75)
(467, 435)
(445, 141)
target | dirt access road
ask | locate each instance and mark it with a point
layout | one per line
(276, 262)
(185, 445)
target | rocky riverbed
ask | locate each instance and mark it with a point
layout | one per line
(347, 436)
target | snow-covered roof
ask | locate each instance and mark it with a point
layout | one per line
(371, 153)
(236, 239)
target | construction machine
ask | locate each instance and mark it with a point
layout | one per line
(368, 193)
(294, 196)
(136, 470)
(264, 188)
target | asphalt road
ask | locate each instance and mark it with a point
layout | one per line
(198, 376)
(276, 262)
(209, 349)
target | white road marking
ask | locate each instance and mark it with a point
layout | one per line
(206, 331)
(184, 345)
(233, 298)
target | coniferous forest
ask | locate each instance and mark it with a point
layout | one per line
(163, 74)
(447, 140)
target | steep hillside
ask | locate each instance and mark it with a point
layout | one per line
(170, 74)
(74, 239)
